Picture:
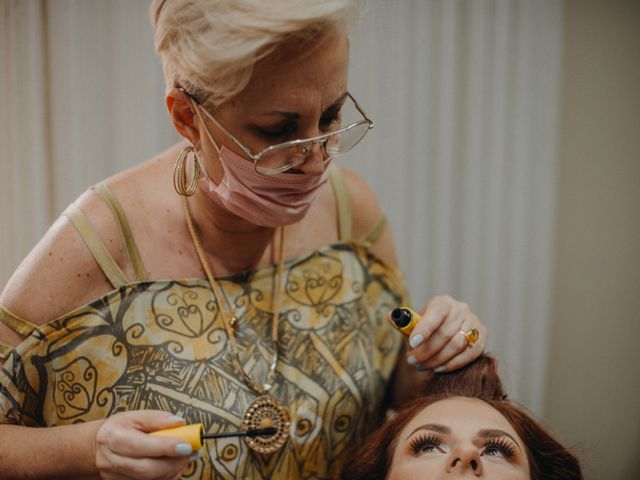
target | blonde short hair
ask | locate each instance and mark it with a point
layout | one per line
(209, 47)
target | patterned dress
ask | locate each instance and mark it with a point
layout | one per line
(162, 345)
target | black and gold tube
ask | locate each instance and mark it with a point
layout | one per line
(194, 434)
(404, 319)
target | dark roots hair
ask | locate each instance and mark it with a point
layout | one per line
(548, 459)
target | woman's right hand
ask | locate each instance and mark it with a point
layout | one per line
(125, 450)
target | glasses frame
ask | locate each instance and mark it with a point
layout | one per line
(305, 144)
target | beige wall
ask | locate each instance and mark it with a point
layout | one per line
(593, 399)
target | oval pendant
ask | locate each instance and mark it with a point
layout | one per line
(264, 412)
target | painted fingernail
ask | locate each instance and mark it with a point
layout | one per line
(416, 340)
(176, 418)
(195, 456)
(183, 449)
(422, 368)
(440, 369)
(411, 360)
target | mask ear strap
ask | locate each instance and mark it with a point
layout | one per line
(196, 107)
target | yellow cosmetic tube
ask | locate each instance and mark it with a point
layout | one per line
(404, 319)
(191, 434)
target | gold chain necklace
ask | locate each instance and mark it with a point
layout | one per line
(265, 411)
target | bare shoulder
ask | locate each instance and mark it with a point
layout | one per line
(60, 273)
(367, 212)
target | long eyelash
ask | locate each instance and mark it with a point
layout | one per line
(418, 444)
(502, 445)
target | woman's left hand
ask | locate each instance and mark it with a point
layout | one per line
(442, 340)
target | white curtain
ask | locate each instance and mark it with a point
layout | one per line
(464, 94)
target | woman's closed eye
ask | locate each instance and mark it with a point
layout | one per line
(287, 130)
(278, 132)
(282, 133)
(331, 122)
(422, 445)
(498, 447)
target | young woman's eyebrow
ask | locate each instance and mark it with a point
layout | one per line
(433, 427)
(296, 115)
(496, 432)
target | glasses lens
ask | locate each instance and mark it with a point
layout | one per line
(344, 141)
(282, 159)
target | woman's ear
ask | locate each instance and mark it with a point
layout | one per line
(182, 115)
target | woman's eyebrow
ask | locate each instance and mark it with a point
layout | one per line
(295, 115)
(337, 101)
(434, 427)
(496, 432)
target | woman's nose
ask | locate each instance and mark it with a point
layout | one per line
(465, 459)
(314, 160)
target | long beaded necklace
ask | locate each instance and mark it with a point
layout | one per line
(265, 411)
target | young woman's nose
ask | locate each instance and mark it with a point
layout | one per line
(465, 459)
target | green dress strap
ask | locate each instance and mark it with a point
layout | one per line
(345, 218)
(125, 230)
(373, 235)
(343, 204)
(5, 351)
(18, 325)
(97, 248)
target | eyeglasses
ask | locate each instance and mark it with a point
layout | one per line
(283, 156)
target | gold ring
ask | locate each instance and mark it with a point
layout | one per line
(471, 336)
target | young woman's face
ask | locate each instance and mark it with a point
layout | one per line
(459, 438)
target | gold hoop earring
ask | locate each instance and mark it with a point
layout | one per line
(181, 181)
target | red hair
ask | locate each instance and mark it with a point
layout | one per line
(548, 459)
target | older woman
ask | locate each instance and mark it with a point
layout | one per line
(239, 279)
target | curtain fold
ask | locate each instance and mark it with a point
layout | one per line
(464, 95)
(464, 154)
(25, 181)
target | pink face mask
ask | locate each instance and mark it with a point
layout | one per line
(264, 200)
